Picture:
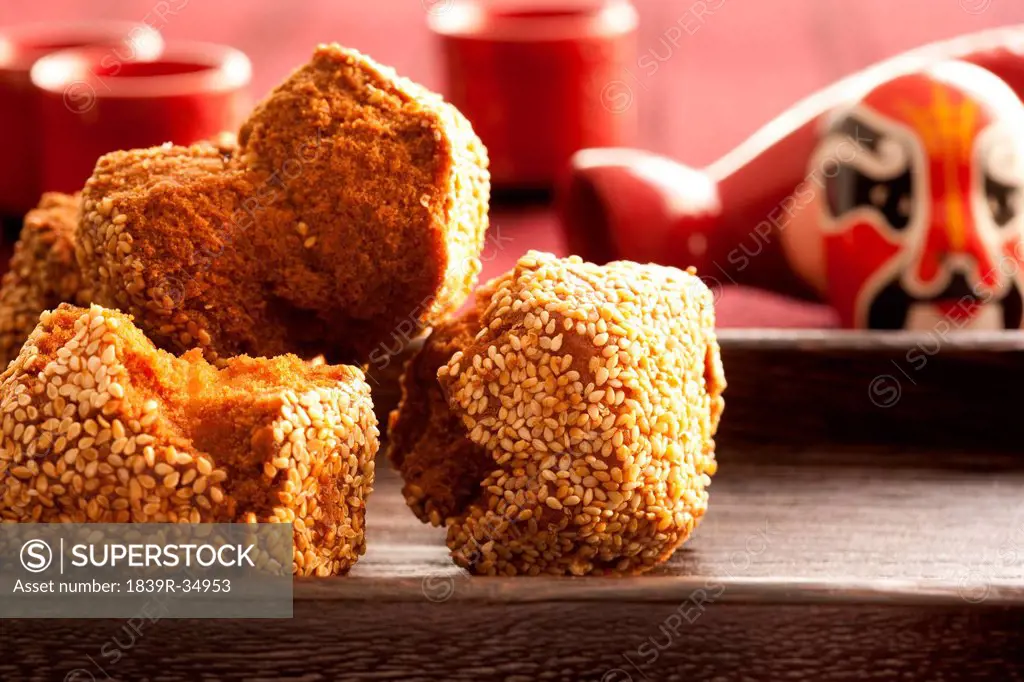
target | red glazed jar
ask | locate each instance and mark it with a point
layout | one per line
(538, 80)
(20, 135)
(89, 107)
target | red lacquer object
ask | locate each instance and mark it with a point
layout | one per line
(20, 135)
(896, 195)
(537, 80)
(89, 107)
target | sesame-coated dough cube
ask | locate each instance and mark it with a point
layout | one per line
(590, 395)
(42, 273)
(100, 426)
(354, 203)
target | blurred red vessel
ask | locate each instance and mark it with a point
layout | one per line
(20, 48)
(534, 79)
(90, 105)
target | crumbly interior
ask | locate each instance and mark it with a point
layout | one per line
(42, 273)
(354, 204)
(98, 425)
(595, 394)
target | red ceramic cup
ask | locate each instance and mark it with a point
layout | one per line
(539, 80)
(90, 105)
(20, 47)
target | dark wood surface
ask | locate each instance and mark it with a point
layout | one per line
(811, 565)
(934, 390)
(557, 642)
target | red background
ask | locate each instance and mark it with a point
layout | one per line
(748, 62)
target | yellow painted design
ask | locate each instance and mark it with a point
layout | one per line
(946, 130)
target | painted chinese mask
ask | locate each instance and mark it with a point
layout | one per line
(921, 210)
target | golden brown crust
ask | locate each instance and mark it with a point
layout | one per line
(42, 272)
(355, 202)
(100, 426)
(595, 391)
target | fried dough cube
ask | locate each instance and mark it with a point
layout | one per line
(590, 396)
(42, 273)
(355, 202)
(100, 426)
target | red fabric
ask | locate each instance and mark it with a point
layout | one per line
(730, 74)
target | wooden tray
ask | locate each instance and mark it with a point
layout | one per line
(850, 536)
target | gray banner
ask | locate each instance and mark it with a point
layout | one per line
(153, 570)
